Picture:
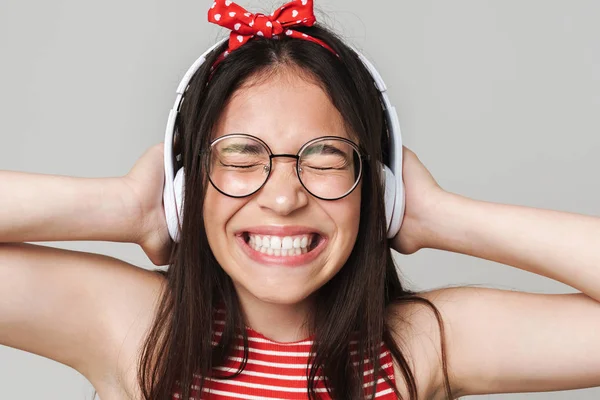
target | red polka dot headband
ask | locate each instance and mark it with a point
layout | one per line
(245, 25)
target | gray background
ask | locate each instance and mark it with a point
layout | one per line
(498, 98)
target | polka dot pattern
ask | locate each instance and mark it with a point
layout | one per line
(244, 25)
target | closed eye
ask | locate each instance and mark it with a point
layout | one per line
(323, 168)
(241, 166)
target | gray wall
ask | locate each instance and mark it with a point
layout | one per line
(498, 98)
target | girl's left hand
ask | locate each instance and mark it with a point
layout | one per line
(423, 195)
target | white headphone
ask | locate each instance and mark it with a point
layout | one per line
(391, 174)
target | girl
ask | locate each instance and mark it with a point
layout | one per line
(281, 139)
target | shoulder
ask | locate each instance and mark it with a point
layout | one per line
(131, 304)
(85, 310)
(496, 341)
(418, 324)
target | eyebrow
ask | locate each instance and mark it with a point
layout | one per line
(324, 149)
(244, 148)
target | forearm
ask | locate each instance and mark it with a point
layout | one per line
(38, 207)
(558, 245)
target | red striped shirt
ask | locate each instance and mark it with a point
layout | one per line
(277, 371)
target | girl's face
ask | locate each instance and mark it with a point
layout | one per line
(285, 111)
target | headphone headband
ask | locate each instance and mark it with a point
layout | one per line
(391, 174)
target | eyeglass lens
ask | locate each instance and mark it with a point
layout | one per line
(240, 165)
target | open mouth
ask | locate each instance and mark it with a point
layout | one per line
(282, 245)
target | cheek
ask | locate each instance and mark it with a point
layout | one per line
(210, 210)
(218, 210)
(351, 217)
(353, 208)
(345, 214)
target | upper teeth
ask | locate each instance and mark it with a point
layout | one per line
(278, 242)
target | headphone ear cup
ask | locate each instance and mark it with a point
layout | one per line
(173, 204)
(389, 184)
(179, 190)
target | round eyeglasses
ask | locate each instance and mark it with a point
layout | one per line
(328, 167)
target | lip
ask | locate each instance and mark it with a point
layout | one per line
(281, 261)
(280, 230)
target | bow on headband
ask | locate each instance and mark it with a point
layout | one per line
(245, 25)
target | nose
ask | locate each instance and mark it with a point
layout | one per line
(282, 193)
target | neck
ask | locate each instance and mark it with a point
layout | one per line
(279, 322)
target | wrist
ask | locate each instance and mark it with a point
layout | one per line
(447, 224)
(127, 213)
(111, 211)
(425, 224)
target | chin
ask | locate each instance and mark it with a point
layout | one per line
(280, 293)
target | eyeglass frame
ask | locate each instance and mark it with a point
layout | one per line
(361, 157)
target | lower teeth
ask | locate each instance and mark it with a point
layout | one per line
(281, 252)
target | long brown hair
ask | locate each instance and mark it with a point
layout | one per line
(353, 302)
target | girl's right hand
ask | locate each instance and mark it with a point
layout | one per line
(146, 181)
